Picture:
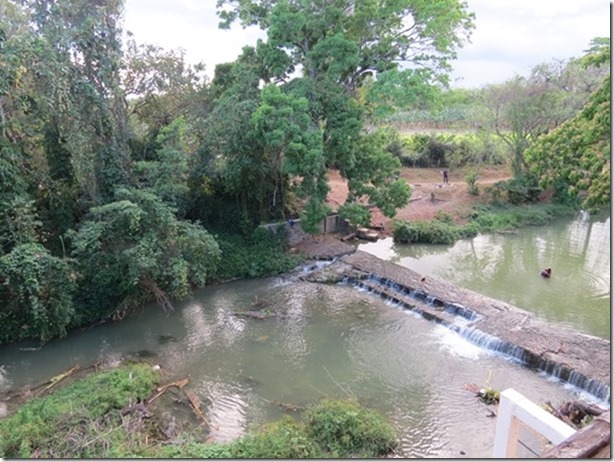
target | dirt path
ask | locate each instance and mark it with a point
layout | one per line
(453, 198)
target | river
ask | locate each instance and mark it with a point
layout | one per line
(507, 267)
(327, 340)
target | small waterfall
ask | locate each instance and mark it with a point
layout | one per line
(595, 388)
(512, 352)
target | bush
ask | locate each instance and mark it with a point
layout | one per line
(262, 254)
(285, 439)
(451, 150)
(521, 190)
(472, 181)
(345, 429)
(482, 218)
(424, 232)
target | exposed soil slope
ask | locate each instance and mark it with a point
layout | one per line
(452, 198)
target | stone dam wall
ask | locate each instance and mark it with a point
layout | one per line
(579, 359)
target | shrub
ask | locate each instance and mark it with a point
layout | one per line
(521, 190)
(444, 217)
(425, 232)
(262, 254)
(472, 181)
(345, 429)
(285, 439)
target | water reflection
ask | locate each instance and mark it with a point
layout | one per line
(507, 267)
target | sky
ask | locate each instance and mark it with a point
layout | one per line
(510, 37)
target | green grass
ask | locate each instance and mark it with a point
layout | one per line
(79, 420)
(95, 417)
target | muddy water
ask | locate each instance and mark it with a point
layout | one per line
(327, 341)
(507, 267)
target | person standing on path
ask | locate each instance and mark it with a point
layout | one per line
(445, 176)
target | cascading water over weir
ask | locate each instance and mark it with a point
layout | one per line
(578, 359)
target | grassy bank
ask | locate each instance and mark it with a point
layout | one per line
(481, 219)
(109, 415)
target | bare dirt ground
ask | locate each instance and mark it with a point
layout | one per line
(453, 198)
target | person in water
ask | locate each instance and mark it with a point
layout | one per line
(546, 273)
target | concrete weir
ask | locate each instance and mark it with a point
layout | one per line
(579, 359)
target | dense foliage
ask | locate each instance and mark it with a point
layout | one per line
(102, 416)
(126, 177)
(575, 158)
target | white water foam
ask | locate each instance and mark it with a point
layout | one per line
(456, 345)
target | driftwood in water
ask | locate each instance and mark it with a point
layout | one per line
(195, 403)
(592, 441)
(574, 413)
(286, 406)
(254, 314)
(58, 378)
(486, 394)
(179, 384)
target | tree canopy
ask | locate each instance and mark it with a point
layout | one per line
(575, 157)
(120, 162)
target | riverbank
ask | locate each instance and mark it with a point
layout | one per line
(452, 198)
(117, 412)
(579, 359)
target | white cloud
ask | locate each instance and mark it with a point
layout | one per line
(511, 36)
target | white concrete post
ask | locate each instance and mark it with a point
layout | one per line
(514, 407)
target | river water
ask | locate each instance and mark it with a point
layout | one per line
(334, 341)
(507, 267)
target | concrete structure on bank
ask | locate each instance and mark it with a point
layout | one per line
(580, 359)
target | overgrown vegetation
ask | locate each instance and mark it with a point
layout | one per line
(82, 420)
(105, 415)
(119, 161)
(450, 150)
(482, 218)
(262, 254)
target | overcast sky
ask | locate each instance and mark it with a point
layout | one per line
(511, 36)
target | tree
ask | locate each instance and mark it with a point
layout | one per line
(524, 108)
(135, 250)
(575, 158)
(293, 147)
(161, 87)
(36, 290)
(351, 40)
(83, 41)
(339, 46)
(167, 175)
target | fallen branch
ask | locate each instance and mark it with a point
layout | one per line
(285, 406)
(58, 378)
(337, 383)
(179, 384)
(195, 402)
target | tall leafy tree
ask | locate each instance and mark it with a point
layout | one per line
(524, 108)
(338, 45)
(575, 158)
(134, 250)
(84, 39)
